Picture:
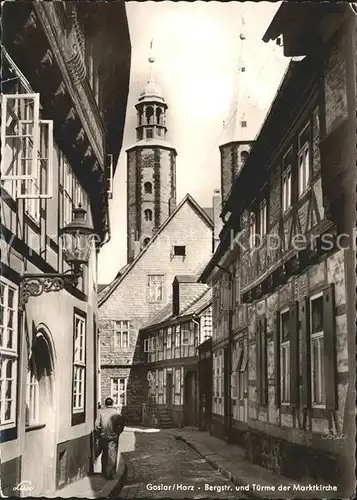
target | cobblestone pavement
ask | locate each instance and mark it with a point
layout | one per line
(159, 466)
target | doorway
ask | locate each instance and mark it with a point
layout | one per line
(169, 389)
(40, 418)
(190, 398)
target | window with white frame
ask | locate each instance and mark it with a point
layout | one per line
(263, 218)
(186, 334)
(284, 357)
(177, 336)
(79, 365)
(72, 191)
(304, 160)
(121, 334)
(8, 353)
(32, 394)
(317, 351)
(26, 150)
(252, 230)
(118, 391)
(168, 338)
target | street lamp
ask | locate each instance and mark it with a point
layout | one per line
(76, 243)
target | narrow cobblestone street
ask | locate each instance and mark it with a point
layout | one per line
(160, 466)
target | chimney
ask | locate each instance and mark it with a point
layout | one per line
(185, 289)
(175, 297)
(172, 205)
(217, 221)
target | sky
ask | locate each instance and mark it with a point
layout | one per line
(198, 51)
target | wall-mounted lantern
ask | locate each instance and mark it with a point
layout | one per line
(76, 238)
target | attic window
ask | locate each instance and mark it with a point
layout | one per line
(243, 124)
(180, 250)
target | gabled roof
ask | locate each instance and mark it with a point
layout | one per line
(104, 294)
(196, 305)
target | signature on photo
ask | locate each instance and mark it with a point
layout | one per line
(24, 486)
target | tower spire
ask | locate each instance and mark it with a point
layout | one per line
(151, 60)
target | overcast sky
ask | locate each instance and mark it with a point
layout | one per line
(197, 50)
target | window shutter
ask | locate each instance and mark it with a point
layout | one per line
(277, 360)
(294, 354)
(329, 347)
(258, 358)
(264, 366)
(305, 353)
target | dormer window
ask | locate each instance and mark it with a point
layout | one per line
(179, 250)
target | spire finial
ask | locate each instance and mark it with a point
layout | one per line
(151, 59)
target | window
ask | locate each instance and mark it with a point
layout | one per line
(185, 335)
(252, 230)
(8, 353)
(177, 336)
(149, 133)
(26, 150)
(121, 334)
(32, 394)
(317, 351)
(243, 124)
(244, 155)
(146, 242)
(284, 357)
(159, 131)
(148, 215)
(168, 338)
(218, 383)
(155, 288)
(177, 381)
(146, 345)
(263, 218)
(72, 191)
(304, 160)
(179, 250)
(148, 188)
(79, 368)
(118, 391)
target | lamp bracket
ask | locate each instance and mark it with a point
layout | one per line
(33, 285)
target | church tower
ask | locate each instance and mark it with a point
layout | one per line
(242, 126)
(151, 170)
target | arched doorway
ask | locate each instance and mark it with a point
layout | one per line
(40, 416)
(190, 398)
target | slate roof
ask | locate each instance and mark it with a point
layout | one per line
(193, 305)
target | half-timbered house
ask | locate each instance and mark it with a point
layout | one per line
(283, 273)
(171, 341)
(64, 92)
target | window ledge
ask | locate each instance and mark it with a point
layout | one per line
(34, 427)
